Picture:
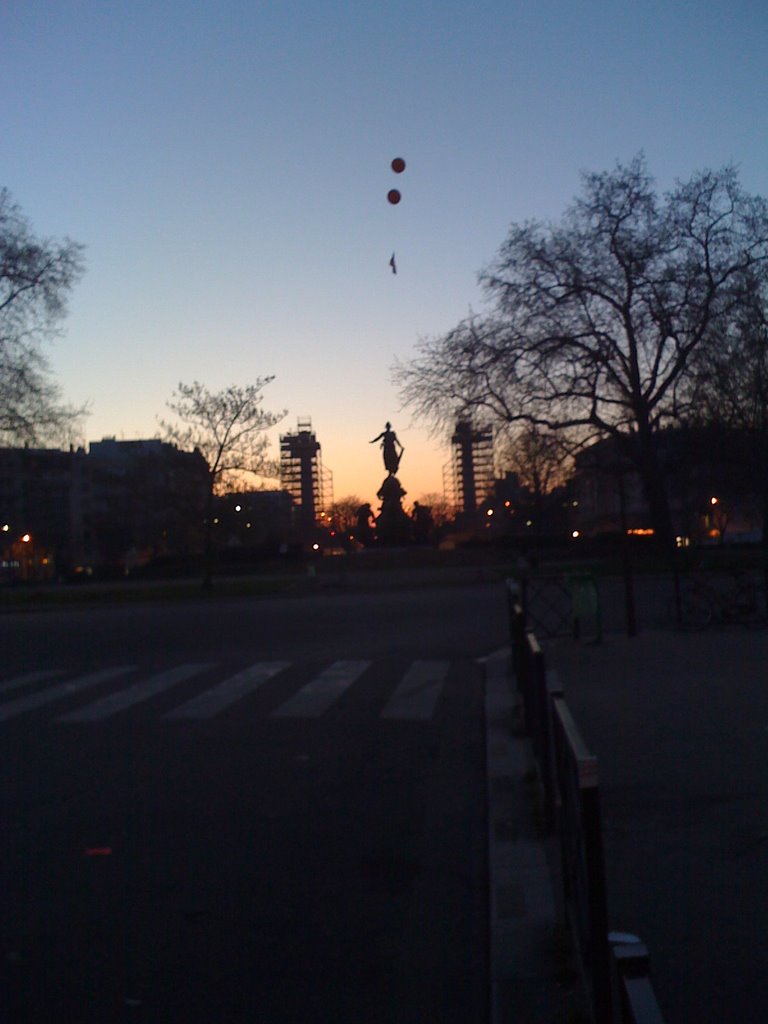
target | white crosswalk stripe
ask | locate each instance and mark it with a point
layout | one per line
(53, 693)
(143, 690)
(417, 694)
(27, 679)
(414, 695)
(316, 697)
(211, 702)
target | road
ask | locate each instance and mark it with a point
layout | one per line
(264, 810)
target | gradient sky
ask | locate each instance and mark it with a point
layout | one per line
(226, 165)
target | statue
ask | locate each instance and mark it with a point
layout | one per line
(389, 446)
(423, 524)
(365, 532)
(393, 526)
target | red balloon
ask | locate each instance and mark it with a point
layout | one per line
(394, 196)
(398, 165)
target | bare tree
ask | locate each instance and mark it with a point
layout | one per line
(540, 458)
(344, 512)
(229, 429)
(730, 381)
(443, 512)
(594, 320)
(729, 388)
(35, 279)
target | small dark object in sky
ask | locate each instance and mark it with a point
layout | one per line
(393, 264)
(393, 196)
(398, 165)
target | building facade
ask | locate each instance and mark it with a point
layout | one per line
(108, 509)
(713, 482)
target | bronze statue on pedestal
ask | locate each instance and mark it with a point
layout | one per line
(393, 526)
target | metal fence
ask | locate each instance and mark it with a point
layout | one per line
(613, 966)
(564, 605)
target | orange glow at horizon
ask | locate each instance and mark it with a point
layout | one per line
(358, 469)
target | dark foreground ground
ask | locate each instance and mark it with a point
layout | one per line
(323, 862)
(679, 723)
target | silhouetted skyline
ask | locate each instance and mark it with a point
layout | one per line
(227, 168)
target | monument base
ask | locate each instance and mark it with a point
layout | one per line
(393, 525)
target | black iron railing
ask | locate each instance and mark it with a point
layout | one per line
(613, 966)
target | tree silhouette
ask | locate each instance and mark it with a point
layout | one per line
(35, 279)
(729, 388)
(595, 320)
(344, 512)
(229, 428)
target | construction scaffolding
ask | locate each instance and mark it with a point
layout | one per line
(468, 478)
(302, 475)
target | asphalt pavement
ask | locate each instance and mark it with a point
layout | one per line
(397, 866)
(271, 810)
(679, 725)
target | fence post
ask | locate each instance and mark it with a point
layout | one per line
(517, 636)
(582, 863)
(552, 688)
(636, 997)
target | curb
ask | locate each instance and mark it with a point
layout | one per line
(521, 894)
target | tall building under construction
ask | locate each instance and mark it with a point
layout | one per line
(469, 476)
(303, 476)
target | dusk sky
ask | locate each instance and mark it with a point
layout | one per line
(227, 164)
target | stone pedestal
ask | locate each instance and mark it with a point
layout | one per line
(393, 526)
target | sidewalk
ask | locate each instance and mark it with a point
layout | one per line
(523, 931)
(679, 725)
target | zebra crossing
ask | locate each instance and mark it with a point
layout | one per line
(228, 692)
(134, 694)
(42, 697)
(318, 695)
(413, 695)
